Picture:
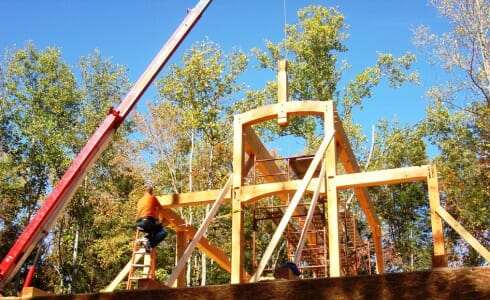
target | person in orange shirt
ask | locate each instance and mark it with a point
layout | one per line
(147, 219)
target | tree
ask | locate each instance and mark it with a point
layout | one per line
(312, 47)
(403, 208)
(77, 247)
(39, 107)
(458, 120)
(46, 118)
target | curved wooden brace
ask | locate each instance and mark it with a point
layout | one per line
(272, 111)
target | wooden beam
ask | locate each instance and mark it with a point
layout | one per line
(381, 177)
(332, 197)
(237, 238)
(439, 258)
(343, 181)
(181, 242)
(190, 199)
(291, 108)
(309, 216)
(282, 91)
(350, 165)
(466, 235)
(254, 146)
(465, 283)
(248, 194)
(251, 193)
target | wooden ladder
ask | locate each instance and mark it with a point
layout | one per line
(145, 270)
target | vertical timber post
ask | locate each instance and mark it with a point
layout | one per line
(282, 91)
(237, 255)
(181, 245)
(439, 259)
(332, 210)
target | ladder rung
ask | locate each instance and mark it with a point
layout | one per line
(142, 270)
(136, 277)
(142, 251)
(141, 265)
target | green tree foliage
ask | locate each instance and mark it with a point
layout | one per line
(458, 117)
(39, 101)
(38, 110)
(312, 47)
(105, 190)
(46, 118)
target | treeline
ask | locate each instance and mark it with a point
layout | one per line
(182, 143)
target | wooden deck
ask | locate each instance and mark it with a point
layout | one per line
(467, 283)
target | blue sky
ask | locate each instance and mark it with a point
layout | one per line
(132, 32)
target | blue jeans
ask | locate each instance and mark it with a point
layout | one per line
(154, 229)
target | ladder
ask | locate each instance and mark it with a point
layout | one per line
(145, 270)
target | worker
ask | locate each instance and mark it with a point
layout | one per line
(147, 219)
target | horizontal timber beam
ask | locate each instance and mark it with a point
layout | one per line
(247, 193)
(345, 181)
(190, 199)
(382, 177)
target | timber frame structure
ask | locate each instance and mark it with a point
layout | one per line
(333, 168)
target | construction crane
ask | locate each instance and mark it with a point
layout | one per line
(59, 198)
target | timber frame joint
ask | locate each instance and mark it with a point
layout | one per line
(432, 171)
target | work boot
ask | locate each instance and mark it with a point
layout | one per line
(146, 244)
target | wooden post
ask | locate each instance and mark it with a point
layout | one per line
(181, 244)
(282, 91)
(439, 259)
(378, 249)
(332, 204)
(237, 255)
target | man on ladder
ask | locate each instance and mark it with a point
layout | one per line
(147, 219)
